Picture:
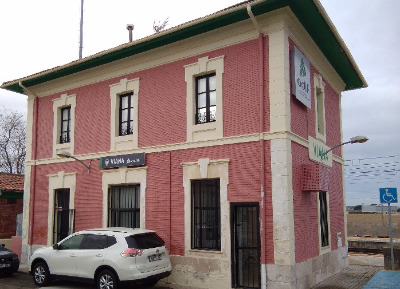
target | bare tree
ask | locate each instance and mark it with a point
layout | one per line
(160, 26)
(12, 141)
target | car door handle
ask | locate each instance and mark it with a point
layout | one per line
(99, 255)
(73, 255)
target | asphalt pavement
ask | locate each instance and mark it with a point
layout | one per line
(22, 280)
(363, 272)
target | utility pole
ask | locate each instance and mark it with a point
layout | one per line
(81, 32)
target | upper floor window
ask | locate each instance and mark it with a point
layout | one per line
(65, 124)
(126, 114)
(206, 98)
(203, 98)
(124, 96)
(319, 92)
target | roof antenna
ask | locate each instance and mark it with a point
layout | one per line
(81, 32)
(130, 29)
(160, 26)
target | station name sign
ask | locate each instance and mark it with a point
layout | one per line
(301, 77)
(319, 152)
(130, 160)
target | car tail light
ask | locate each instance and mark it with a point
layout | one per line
(132, 252)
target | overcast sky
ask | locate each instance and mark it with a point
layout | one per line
(41, 34)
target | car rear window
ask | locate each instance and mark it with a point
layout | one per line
(144, 241)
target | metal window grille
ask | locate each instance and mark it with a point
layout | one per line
(124, 206)
(206, 98)
(323, 213)
(65, 124)
(126, 114)
(206, 218)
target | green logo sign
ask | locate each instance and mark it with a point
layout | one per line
(320, 152)
(303, 71)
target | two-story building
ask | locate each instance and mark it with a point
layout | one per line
(212, 133)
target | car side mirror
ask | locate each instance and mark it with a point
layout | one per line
(2, 245)
(56, 246)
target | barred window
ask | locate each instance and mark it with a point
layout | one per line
(206, 215)
(206, 98)
(124, 206)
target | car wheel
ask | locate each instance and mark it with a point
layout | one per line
(8, 273)
(41, 274)
(107, 280)
(152, 283)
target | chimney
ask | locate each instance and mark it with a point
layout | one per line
(130, 29)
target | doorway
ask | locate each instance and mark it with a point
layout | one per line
(245, 245)
(63, 215)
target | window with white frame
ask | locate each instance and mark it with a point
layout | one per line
(206, 215)
(124, 114)
(204, 99)
(205, 185)
(206, 105)
(124, 197)
(124, 206)
(319, 97)
(64, 123)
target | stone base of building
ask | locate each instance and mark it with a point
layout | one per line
(199, 272)
(195, 273)
(308, 273)
(27, 251)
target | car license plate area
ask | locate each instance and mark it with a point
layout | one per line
(155, 257)
(5, 265)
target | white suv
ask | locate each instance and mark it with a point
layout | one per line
(107, 256)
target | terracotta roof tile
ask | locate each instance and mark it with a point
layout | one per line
(11, 182)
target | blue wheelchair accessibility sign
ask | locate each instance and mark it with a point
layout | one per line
(388, 195)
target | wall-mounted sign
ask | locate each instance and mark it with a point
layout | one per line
(317, 151)
(301, 77)
(131, 160)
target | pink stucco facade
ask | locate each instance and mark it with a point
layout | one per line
(162, 121)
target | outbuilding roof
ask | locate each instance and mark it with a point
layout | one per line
(11, 182)
(309, 12)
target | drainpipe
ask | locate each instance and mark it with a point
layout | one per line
(33, 173)
(261, 146)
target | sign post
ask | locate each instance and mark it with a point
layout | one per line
(387, 196)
